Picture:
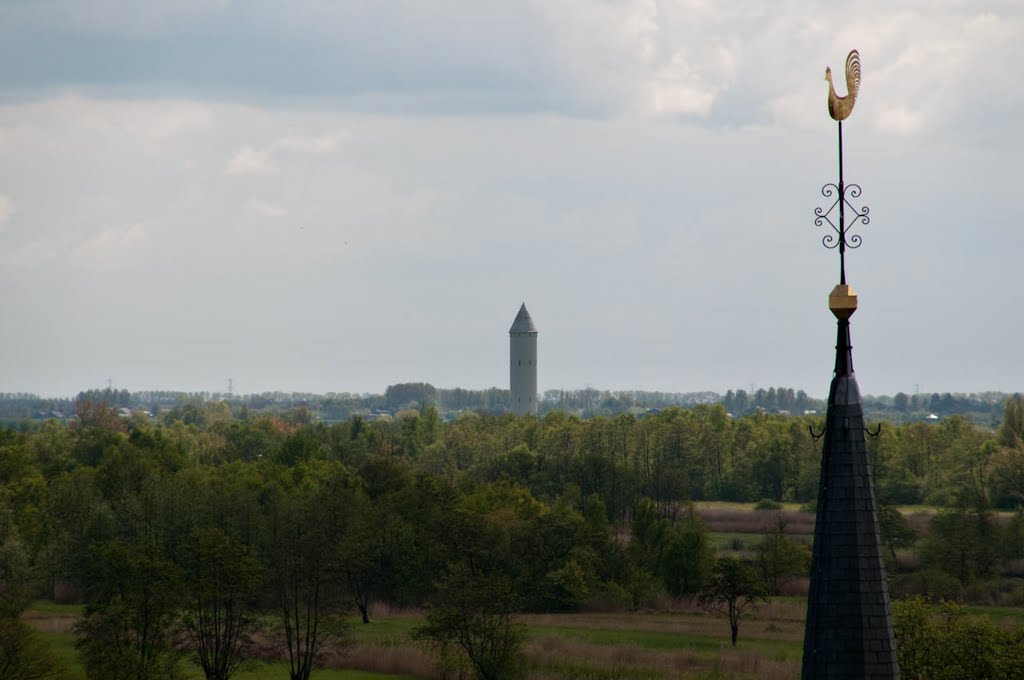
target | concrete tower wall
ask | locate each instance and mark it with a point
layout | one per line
(523, 372)
(523, 364)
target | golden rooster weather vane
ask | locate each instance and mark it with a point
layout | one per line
(840, 108)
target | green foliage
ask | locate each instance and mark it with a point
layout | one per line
(15, 574)
(221, 578)
(24, 656)
(688, 560)
(1011, 432)
(767, 504)
(934, 584)
(128, 629)
(949, 644)
(963, 542)
(476, 612)
(306, 517)
(894, 531)
(734, 590)
(779, 559)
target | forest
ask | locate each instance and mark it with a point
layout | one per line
(221, 533)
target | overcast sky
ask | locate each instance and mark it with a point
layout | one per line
(337, 196)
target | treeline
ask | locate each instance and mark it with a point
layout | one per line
(985, 408)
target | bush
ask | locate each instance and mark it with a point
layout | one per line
(767, 504)
(932, 584)
(475, 612)
(24, 656)
(948, 644)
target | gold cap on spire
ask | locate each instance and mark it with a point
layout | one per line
(842, 301)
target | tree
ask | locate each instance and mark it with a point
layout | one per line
(688, 560)
(304, 521)
(948, 644)
(15, 575)
(1011, 433)
(475, 612)
(734, 590)
(128, 628)
(24, 656)
(894, 530)
(650, 536)
(221, 578)
(779, 559)
(963, 542)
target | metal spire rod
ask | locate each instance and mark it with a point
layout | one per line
(840, 238)
(842, 213)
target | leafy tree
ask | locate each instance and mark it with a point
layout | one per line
(1011, 432)
(894, 531)
(650, 537)
(475, 611)
(780, 559)
(951, 645)
(734, 590)
(128, 629)
(963, 542)
(15, 575)
(689, 559)
(24, 656)
(303, 520)
(221, 578)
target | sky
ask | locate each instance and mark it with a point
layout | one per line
(337, 196)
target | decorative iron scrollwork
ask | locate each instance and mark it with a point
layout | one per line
(822, 216)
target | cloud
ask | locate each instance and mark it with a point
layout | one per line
(266, 208)
(6, 208)
(312, 144)
(250, 161)
(110, 246)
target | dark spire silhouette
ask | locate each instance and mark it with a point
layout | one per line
(848, 634)
(849, 631)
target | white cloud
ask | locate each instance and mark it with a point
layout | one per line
(676, 88)
(266, 208)
(110, 246)
(312, 144)
(900, 120)
(6, 208)
(250, 161)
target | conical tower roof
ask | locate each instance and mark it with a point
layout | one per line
(848, 632)
(523, 323)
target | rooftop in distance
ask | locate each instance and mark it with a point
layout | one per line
(523, 323)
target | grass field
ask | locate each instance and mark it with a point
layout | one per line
(685, 643)
(641, 645)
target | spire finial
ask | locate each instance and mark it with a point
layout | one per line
(842, 192)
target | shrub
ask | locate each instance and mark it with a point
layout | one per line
(932, 584)
(767, 504)
(475, 612)
(948, 644)
(24, 656)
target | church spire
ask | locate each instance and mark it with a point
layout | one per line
(848, 633)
